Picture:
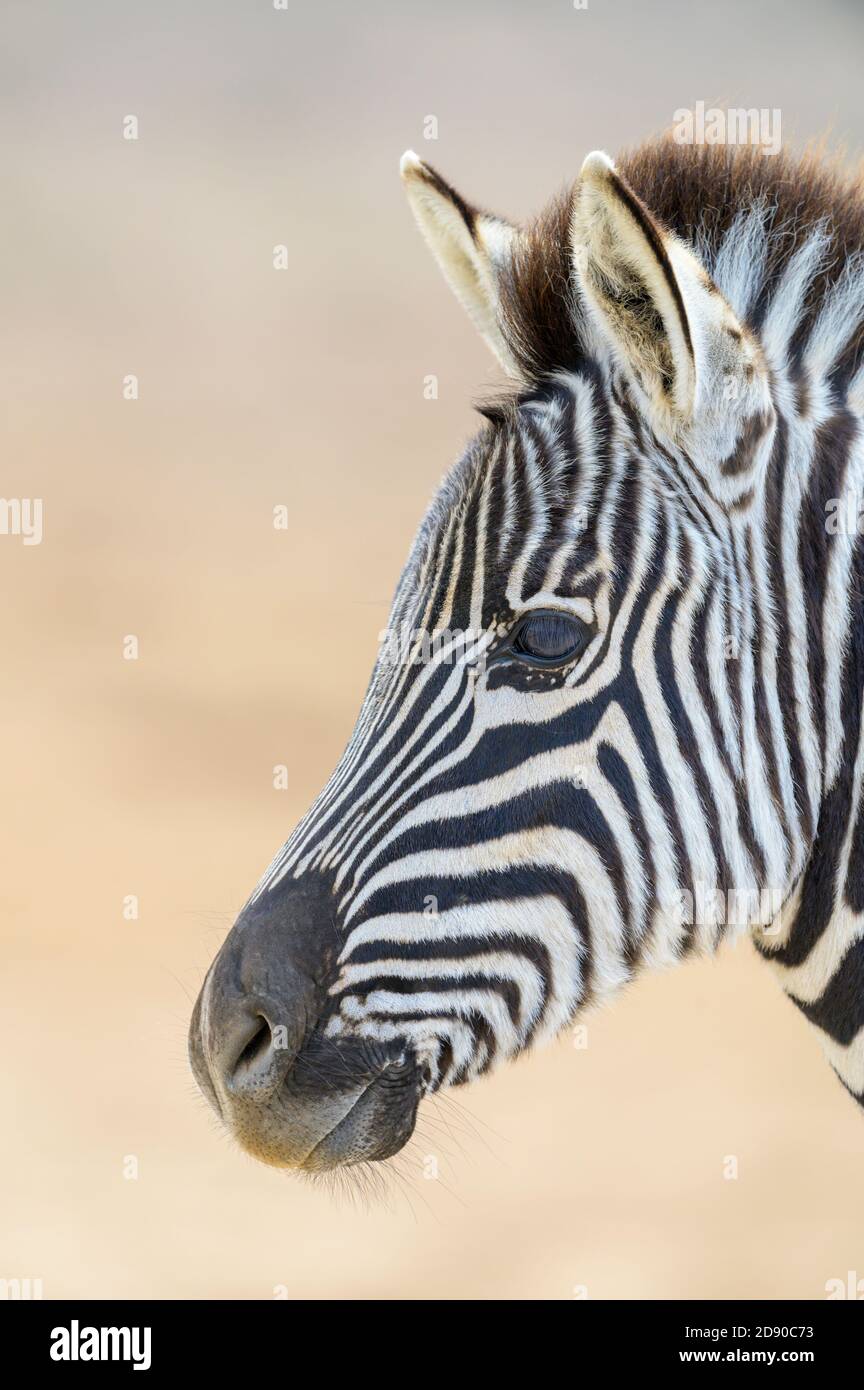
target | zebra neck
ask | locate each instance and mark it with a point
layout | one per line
(815, 491)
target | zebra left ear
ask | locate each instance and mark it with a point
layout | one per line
(667, 321)
(471, 247)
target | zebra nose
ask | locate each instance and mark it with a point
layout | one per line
(262, 998)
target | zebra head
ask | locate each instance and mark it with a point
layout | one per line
(563, 754)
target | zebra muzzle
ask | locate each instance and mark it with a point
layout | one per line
(289, 1094)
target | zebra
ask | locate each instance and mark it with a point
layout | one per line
(616, 716)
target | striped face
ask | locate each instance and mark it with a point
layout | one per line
(483, 862)
(521, 812)
(546, 786)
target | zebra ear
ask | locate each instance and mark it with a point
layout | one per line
(666, 319)
(471, 247)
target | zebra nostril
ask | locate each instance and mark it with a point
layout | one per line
(262, 1055)
(254, 1053)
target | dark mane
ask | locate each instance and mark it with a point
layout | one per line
(698, 191)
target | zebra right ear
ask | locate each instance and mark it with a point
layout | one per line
(630, 272)
(701, 371)
(471, 247)
(663, 314)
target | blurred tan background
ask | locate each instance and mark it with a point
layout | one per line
(600, 1168)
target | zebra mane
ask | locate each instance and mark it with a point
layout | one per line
(764, 227)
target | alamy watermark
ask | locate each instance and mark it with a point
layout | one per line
(415, 646)
(753, 906)
(732, 125)
(20, 1289)
(77, 1343)
(22, 516)
(844, 516)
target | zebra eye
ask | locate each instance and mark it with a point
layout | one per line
(549, 638)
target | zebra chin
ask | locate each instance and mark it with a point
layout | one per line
(287, 1093)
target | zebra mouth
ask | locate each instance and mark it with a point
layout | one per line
(319, 1127)
(344, 1102)
(379, 1122)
